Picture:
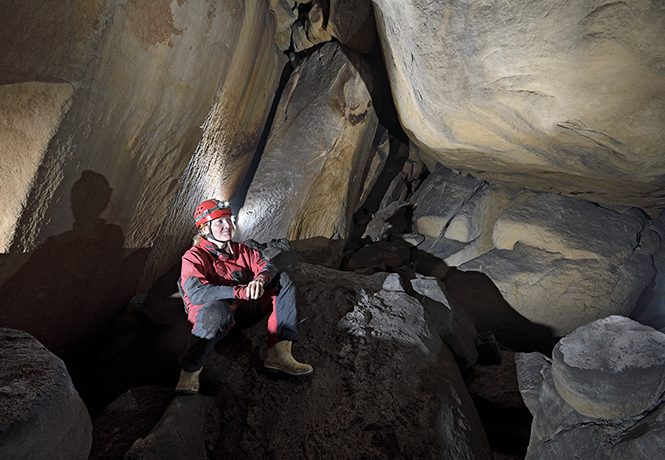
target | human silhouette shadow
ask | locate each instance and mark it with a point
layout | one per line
(63, 294)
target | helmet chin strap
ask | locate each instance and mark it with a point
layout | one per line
(211, 237)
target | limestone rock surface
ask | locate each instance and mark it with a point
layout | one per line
(352, 23)
(611, 368)
(559, 431)
(571, 262)
(530, 368)
(189, 428)
(439, 198)
(536, 94)
(311, 171)
(41, 414)
(574, 228)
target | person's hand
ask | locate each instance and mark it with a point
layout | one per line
(254, 289)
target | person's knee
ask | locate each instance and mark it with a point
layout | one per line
(285, 281)
(213, 317)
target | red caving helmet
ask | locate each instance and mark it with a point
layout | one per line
(210, 210)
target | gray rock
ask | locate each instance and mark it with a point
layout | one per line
(650, 309)
(449, 318)
(612, 368)
(384, 221)
(352, 23)
(130, 417)
(188, 430)
(530, 376)
(439, 198)
(643, 441)
(574, 228)
(474, 222)
(42, 416)
(558, 431)
(561, 293)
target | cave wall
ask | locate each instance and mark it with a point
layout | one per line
(104, 105)
(118, 117)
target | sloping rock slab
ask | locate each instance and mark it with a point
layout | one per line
(384, 385)
(41, 414)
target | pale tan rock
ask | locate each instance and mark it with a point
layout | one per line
(299, 37)
(139, 81)
(232, 132)
(282, 10)
(544, 95)
(439, 198)
(561, 293)
(30, 113)
(474, 223)
(311, 171)
(575, 229)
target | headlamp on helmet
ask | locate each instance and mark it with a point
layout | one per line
(210, 210)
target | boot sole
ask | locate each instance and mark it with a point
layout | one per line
(276, 370)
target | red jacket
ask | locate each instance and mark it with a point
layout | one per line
(208, 273)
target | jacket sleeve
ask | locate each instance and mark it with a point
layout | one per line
(197, 287)
(263, 268)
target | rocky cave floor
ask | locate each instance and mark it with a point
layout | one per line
(140, 354)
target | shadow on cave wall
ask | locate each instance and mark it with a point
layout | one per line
(73, 285)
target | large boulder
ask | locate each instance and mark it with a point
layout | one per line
(131, 416)
(560, 431)
(457, 213)
(511, 92)
(384, 384)
(312, 170)
(562, 262)
(42, 416)
(611, 368)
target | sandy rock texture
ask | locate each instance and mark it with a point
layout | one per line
(122, 90)
(312, 170)
(559, 97)
(562, 262)
(41, 414)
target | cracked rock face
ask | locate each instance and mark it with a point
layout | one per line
(41, 414)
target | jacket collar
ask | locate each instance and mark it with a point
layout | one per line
(226, 252)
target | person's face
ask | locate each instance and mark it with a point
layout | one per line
(222, 228)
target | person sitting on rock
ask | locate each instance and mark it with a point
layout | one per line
(220, 277)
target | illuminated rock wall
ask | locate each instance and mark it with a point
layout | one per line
(115, 97)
